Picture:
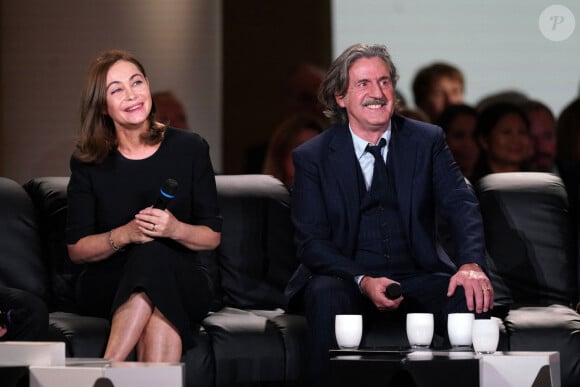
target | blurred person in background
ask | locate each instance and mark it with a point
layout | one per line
(503, 132)
(436, 86)
(169, 110)
(459, 122)
(292, 132)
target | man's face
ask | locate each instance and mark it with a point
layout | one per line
(444, 91)
(370, 97)
(543, 131)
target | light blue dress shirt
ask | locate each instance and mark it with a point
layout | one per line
(366, 159)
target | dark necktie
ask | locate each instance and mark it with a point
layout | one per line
(379, 182)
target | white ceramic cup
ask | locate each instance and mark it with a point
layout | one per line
(420, 328)
(459, 329)
(348, 329)
(485, 335)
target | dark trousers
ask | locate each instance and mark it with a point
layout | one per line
(28, 315)
(325, 297)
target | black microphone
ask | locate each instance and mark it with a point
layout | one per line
(166, 193)
(393, 291)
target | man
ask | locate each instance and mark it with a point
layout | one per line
(543, 131)
(437, 86)
(356, 237)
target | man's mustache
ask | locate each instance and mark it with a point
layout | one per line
(375, 101)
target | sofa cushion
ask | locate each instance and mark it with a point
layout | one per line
(256, 255)
(527, 235)
(49, 197)
(552, 328)
(247, 347)
(23, 266)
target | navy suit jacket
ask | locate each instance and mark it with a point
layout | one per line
(326, 202)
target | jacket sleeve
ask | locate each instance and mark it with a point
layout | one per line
(320, 245)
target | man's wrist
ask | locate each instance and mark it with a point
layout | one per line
(358, 279)
(472, 266)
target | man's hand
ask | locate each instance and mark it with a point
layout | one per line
(374, 288)
(478, 289)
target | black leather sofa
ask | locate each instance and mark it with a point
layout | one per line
(249, 339)
(533, 261)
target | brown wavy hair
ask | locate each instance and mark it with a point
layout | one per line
(336, 81)
(97, 138)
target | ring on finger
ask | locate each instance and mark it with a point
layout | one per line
(154, 225)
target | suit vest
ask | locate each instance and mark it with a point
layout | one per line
(382, 246)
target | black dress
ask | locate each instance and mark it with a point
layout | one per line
(107, 195)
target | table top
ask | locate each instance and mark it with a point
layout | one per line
(398, 354)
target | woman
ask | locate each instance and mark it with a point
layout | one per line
(458, 122)
(292, 132)
(503, 132)
(142, 269)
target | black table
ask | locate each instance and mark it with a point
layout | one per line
(403, 368)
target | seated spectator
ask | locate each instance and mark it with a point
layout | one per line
(568, 133)
(505, 96)
(436, 86)
(568, 153)
(543, 134)
(414, 114)
(169, 110)
(292, 132)
(24, 316)
(302, 90)
(503, 133)
(458, 122)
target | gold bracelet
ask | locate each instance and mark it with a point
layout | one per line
(112, 242)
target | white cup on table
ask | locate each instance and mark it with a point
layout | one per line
(420, 327)
(348, 329)
(459, 330)
(485, 335)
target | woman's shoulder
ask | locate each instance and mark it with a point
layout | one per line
(176, 136)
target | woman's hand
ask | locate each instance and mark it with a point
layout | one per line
(156, 223)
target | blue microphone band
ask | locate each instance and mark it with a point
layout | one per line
(166, 194)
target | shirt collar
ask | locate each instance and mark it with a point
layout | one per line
(360, 145)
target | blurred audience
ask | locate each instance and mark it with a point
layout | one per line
(169, 110)
(292, 132)
(299, 96)
(459, 122)
(503, 133)
(302, 90)
(436, 86)
(414, 114)
(543, 135)
(568, 154)
(505, 96)
(568, 133)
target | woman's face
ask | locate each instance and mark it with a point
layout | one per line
(462, 143)
(508, 143)
(128, 96)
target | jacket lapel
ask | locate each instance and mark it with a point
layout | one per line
(403, 161)
(343, 168)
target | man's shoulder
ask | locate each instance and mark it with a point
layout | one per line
(414, 128)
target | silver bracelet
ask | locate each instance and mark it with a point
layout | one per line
(112, 242)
